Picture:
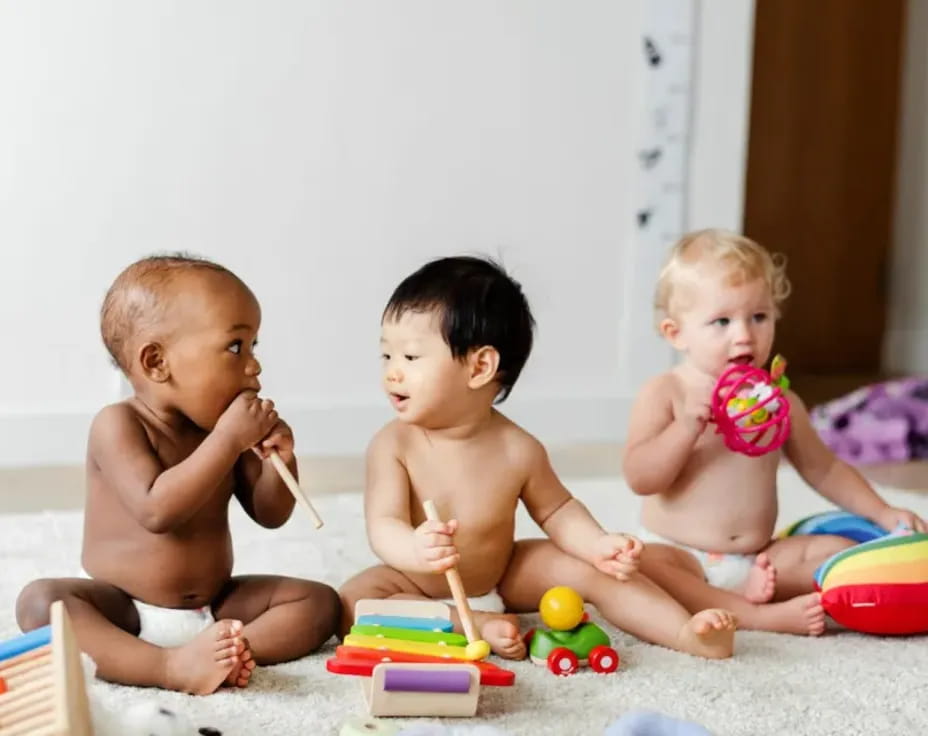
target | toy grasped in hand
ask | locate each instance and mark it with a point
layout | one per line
(572, 640)
(749, 408)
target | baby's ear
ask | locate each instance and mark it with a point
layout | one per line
(153, 362)
(669, 330)
(484, 364)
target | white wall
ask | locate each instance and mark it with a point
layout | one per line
(721, 114)
(322, 150)
(906, 344)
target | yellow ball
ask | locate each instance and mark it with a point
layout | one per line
(561, 608)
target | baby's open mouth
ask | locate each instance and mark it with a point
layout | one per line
(398, 400)
(743, 359)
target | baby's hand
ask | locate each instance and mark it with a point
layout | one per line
(618, 555)
(247, 420)
(697, 402)
(891, 518)
(280, 438)
(435, 548)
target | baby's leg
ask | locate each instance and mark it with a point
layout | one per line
(681, 575)
(285, 618)
(107, 627)
(797, 558)
(637, 606)
(499, 630)
(377, 583)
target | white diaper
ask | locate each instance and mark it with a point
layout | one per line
(169, 627)
(721, 569)
(492, 602)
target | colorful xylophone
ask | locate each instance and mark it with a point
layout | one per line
(42, 691)
(413, 663)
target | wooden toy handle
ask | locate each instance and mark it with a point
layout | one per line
(284, 472)
(457, 586)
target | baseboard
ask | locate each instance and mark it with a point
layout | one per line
(28, 440)
(905, 351)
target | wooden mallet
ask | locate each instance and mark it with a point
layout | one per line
(284, 472)
(476, 648)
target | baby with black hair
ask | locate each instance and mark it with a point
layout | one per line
(455, 337)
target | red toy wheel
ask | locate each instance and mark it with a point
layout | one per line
(528, 636)
(562, 661)
(604, 659)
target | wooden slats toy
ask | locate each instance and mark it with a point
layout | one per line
(44, 693)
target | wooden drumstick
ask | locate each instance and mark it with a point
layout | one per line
(477, 648)
(284, 472)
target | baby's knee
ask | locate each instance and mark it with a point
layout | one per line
(34, 602)
(324, 610)
(827, 545)
(376, 583)
(589, 582)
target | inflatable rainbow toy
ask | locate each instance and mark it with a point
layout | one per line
(880, 586)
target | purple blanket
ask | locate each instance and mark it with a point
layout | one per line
(885, 422)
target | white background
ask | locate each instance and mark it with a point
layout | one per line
(323, 150)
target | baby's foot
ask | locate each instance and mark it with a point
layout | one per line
(762, 580)
(710, 634)
(802, 615)
(241, 671)
(502, 634)
(200, 666)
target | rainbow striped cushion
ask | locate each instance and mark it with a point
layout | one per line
(878, 587)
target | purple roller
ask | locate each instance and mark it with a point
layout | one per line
(426, 681)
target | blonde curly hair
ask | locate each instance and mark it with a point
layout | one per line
(744, 260)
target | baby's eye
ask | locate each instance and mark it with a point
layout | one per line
(760, 317)
(411, 357)
(721, 321)
(385, 356)
(235, 347)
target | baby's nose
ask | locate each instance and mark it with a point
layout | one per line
(253, 368)
(742, 332)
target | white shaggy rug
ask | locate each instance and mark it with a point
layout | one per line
(841, 683)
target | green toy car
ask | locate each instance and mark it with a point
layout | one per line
(572, 641)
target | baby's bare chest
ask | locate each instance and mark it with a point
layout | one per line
(714, 474)
(481, 489)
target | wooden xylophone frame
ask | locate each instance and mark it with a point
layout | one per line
(46, 695)
(414, 685)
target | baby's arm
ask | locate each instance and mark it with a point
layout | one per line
(427, 548)
(659, 444)
(569, 523)
(159, 499)
(835, 479)
(258, 485)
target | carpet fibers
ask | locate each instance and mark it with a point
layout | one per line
(841, 683)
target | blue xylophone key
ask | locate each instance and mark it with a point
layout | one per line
(407, 622)
(25, 642)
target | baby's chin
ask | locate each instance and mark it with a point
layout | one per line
(406, 415)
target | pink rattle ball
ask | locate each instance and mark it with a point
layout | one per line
(750, 411)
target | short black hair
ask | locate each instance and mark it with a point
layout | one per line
(479, 304)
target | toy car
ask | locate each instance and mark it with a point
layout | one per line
(572, 640)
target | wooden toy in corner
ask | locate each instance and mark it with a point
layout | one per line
(42, 691)
(572, 640)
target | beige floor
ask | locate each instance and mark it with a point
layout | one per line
(46, 488)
